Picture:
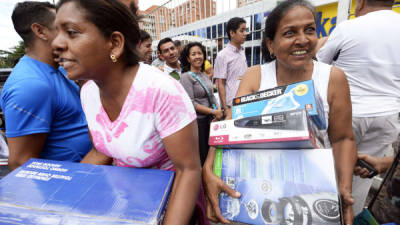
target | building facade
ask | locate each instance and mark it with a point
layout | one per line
(158, 19)
(212, 30)
(241, 3)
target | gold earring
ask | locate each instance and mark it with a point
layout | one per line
(113, 58)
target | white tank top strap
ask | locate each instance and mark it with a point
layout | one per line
(268, 76)
(321, 75)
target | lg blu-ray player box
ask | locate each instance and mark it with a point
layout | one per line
(54, 192)
(282, 130)
(283, 98)
(279, 186)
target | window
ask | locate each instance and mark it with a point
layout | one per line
(214, 31)
(249, 25)
(247, 52)
(257, 26)
(220, 30)
(203, 33)
(256, 55)
(209, 32)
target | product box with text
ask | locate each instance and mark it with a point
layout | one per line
(55, 192)
(279, 186)
(283, 98)
(282, 130)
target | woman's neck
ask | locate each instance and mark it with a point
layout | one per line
(117, 82)
(286, 75)
(195, 69)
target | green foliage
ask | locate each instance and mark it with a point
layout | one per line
(8, 59)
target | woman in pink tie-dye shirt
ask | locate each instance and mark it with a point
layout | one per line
(137, 116)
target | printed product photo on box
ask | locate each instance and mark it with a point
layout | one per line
(282, 130)
(55, 193)
(283, 98)
(279, 186)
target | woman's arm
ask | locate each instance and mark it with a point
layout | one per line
(182, 149)
(188, 84)
(218, 113)
(341, 137)
(213, 185)
(96, 157)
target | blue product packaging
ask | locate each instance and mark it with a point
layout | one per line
(279, 186)
(283, 98)
(54, 192)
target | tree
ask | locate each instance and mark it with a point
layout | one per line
(8, 59)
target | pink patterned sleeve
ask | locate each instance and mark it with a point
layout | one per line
(173, 110)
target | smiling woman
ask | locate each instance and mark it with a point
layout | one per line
(200, 90)
(134, 119)
(288, 47)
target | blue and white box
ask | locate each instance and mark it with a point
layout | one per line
(283, 98)
(279, 186)
(55, 192)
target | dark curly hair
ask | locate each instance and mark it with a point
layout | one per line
(185, 54)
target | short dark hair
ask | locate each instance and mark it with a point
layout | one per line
(27, 13)
(275, 17)
(386, 3)
(233, 25)
(110, 16)
(185, 54)
(144, 35)
(177, 43)
(163, 41)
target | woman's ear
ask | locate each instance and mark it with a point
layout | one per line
(117, 43)
(269, 45)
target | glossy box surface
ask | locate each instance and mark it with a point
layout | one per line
(283, 98)
(279, 186)
(283, 130)
(54, 192)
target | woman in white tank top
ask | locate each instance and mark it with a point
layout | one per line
(289, 45)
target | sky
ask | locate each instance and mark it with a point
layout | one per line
(9, 38)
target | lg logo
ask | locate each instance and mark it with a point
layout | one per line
(218, 126)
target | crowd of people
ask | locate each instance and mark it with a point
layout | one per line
(132, 111)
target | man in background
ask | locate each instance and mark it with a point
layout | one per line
(367, 49)
(42, 108)
(169, 53)
(230, 64)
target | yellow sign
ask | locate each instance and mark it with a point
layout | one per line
(327, 15)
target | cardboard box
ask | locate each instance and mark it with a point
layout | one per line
(283, 130)
(279, 186)
(55, 192)
(283, 98)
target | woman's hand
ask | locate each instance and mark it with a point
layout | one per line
(228, 113)
(348, 201)
(218, 114)
(213, 185)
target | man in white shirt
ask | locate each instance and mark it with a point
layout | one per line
(367, 49)
(169, 53)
